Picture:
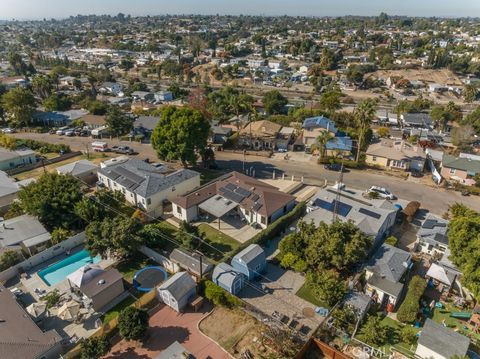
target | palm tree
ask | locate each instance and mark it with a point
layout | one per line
(321, 143)
(364, 114)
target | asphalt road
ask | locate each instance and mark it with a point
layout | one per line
(432, 198)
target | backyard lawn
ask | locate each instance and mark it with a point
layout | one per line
(129, 267)
(306, 293)
(113, 313)
(223, 243)
(394, 339)
(443, 314)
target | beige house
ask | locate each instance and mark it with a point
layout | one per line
(396, 154)
(461, 169)
(259, 135)
(312, 127)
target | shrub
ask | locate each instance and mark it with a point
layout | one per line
(392, 240)
(408, 310)
(374, 331)
(408, 335)
(8, 259)
(94, 347)
(219, 296)
(43, 147)
(132, 323)
(51, 298)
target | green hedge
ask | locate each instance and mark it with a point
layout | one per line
(346, 163)
(407, 312)
(275, 228)
(43, 147)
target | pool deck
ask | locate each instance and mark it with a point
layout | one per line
(33, 280)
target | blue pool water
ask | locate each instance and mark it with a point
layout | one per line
(60, 270)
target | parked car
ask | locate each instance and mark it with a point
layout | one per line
(335, 167)
(9, 130)
(282, 150)
(124, 150)
(416, 174)
(70, 133)
(382, 192)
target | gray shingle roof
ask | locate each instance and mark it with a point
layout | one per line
(23, 228)
(459, 163)
(250, 253)
(225, 274)
(190, 261)
(389, 262)
(434, 230)
(178, 285)
(77, 168)
(442, 340)
(7, 185)
(144, 179)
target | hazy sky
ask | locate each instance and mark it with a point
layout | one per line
(38, 9)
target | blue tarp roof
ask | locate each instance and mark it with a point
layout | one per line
(320, 122)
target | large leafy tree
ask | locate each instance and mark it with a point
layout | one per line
(133, 323)
(327, 285)
(19, 105)
(321, 143)
(103, 204)
(274, 102)
(8, 259)
(374, 332)
(180, 135)
(364, 115)
(42, 86)
(94, 347)
(118, 237)
(52, 199)
(118, 122)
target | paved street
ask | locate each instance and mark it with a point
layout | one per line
(434, 199)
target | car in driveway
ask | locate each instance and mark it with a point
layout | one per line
(381, 192)
(124, 150)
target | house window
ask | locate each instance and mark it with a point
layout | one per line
(452, 171)
(149, 201)
(374, 158)
(179, 210)
(263, 220)
(173, 189)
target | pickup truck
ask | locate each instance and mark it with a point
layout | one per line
(124, 150)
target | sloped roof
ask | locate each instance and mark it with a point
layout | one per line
(263, 128)
(7, 185)
(20, 337)
(77, 168)
(442, 274)
(459, 163)
(320, 122)
(101, 282)
(144, 179)
(434, 230)
(225, 274)
(396, 150)
(443, 341)
(248, 192)
(190, 261)
(389, 262)
(22, 228)
(250, 254)
(178, 285)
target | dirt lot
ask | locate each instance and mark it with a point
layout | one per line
(440, 76)
(235, 331)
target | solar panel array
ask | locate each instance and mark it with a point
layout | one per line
(432, 223)
(369, 213)
(235, 193)
(343, 209)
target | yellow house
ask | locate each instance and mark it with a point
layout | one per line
(396, 154)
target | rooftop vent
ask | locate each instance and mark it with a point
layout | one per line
(101, 281)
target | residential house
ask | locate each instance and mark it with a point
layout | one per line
(102, 287)
(113, 88)
(177, 291)
(143, 96)
(24, 231)
(12, 159)
(436, 341)
(14, 81)
(284, 138)
(259, 135)
(146, 124)
(83, 170)
(255, 63)
(251, 261)
(234, 194)
(419, 120)
(432, 236)
(339, 146)
(20, 337)
(193, 263)
(375, 218)
(461, 169)
(396, 155)
(385, 275)
(314, 126)
(145, 186)
(219, 135)
(94, 121)
(359, 302)
(443, 277)
(8, 191)
(59, 118)
(226, 277)
(163, 96)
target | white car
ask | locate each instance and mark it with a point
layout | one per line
(382, 192)
(8, 130)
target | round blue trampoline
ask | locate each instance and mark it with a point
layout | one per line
(147, 278)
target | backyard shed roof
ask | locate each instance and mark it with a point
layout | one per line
(178, 285)
(101, 282)
(249, 254)
(190, 261)
(225, 274)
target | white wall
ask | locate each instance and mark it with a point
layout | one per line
(43, 256)
(424, 352)
(188, 215)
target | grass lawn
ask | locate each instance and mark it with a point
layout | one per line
(394, 339)
(306, 293)
(129, 267)
(443, 314)
(115, 311)
(37, 172)
(218, 240)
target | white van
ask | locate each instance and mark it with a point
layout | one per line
(99, 146)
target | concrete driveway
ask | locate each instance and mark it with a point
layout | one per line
(167, 326)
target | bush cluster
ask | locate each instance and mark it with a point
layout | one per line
(43, 147)
(408, 310)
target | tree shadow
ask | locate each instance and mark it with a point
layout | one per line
(159, 338)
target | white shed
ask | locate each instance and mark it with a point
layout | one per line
(177, 291)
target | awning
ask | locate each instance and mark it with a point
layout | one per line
(218, 206)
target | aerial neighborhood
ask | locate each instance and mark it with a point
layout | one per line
(216, 186)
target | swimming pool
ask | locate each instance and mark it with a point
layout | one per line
(60, 270)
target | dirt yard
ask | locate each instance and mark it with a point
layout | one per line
(235, 331)
(440, 76)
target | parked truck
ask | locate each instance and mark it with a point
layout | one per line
(98, 146)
